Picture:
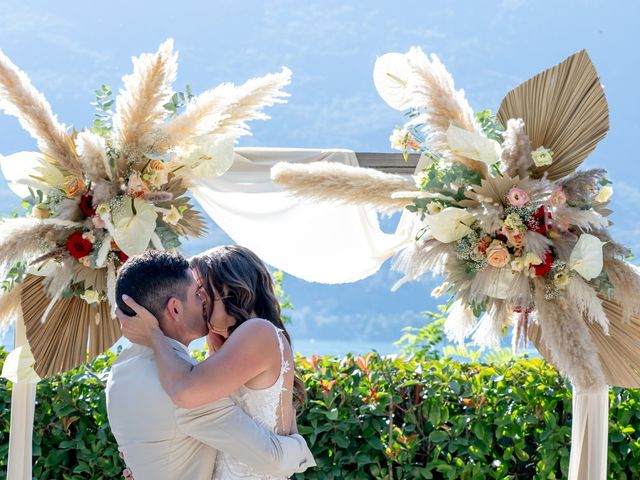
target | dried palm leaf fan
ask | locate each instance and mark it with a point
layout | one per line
(108, 193)
(74, 320)
(563, 109)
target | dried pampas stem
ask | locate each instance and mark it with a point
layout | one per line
(20, 238)
(459, 322)
(203, 114)
(9, 306)
(140, 105)
(516, 149)
(441, 105)
(587, 303)
(419, 257)
(625, 278)
(565, 335)
(489, 330)
(93, 156)
(18, 97)
(251, 97)
(335, 182)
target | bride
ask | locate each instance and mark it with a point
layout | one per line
(250, 358)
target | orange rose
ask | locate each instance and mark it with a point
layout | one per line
(73, 186)
(497, 254)
(156, 165)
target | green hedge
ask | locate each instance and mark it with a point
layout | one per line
(449, 420)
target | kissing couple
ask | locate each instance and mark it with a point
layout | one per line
(231, 416)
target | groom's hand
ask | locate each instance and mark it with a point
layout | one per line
(141, 328)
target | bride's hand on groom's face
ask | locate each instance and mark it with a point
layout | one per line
(141, 328)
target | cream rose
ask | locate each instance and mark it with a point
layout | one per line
(90, 296)
(604, 194)
(172, 216)
(561, 279)
(542, 157)
(514, 222)
(497, 254)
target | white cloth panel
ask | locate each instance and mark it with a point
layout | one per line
(23, 404)
(589, 435)
(314, 241)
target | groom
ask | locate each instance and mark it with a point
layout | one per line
(158, 439)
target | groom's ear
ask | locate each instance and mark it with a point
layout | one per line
(174, 309)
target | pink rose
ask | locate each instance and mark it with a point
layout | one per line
(558, 197)
(514, 236)
(517, 197)
(497, 254)
(97, 221)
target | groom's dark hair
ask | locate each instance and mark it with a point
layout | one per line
(151, 279)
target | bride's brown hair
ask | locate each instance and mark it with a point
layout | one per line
(246, 289)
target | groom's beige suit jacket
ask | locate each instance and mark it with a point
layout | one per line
(163, 442)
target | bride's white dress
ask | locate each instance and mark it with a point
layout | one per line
(263, 406)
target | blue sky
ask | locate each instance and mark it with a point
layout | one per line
(70, 48)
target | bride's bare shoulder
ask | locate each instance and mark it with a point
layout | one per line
(255, 326)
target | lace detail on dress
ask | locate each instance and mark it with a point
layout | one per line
(263, 406)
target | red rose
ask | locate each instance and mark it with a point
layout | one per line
(78, 246)
(539, 221)
(86, 205)
(545, 266)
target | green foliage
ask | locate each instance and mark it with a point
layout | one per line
(490, 125)
(285, 300)
(102, 121)
(449, 420)
(424, 342)
(449, 180)
(14, 276)
(179, 100)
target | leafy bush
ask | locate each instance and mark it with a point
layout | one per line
(449, 420)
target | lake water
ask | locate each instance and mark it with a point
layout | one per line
(306, 346)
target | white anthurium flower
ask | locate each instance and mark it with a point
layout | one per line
(586, 256)
(450, 224)
(30, 169)
(103, 252)
(43, 269)
(472, 145)
(18, 366)
(391, 75)
(208, 156)
(134, 222)
(156, 242)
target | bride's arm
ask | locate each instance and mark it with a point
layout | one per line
(244, 355)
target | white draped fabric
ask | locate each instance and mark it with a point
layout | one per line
(313, 241)
(589, 435)
(23, 402)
